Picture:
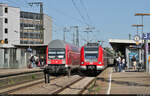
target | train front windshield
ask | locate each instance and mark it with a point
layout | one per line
(56, 53)
(91, 54)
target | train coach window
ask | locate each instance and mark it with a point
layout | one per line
(60, 52)
(52, 52)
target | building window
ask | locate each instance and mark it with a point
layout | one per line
(6, 30)
(6, 10)
(6, 41)
(6, 20)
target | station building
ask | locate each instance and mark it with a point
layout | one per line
(128, 49)
(20, 30)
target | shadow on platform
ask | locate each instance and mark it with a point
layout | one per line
(127, 83)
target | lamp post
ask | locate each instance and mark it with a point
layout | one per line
(145, 41)
(137, 26)
(137, 38)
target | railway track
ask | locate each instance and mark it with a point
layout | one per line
(49, 88)
(76, 87)
(67, 86)
(16, 87)
(74, 84)
(64, 85)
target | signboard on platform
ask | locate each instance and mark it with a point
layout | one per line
(134, 54)
(135, 46)
(146, 36)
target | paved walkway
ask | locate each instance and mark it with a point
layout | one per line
(14, 71)
(130, 83)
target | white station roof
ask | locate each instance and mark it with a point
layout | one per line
(122, 41)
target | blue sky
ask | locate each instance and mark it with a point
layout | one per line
(111, 18)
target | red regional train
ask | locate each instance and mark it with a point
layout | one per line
(94, 57)
(62, 57)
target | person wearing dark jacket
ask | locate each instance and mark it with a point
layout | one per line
(115, 65)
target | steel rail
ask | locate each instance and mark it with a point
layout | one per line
(28, 85)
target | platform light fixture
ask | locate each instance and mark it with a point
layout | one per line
(146, 42)
(137, 26)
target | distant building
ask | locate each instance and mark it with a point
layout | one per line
(30, 28)
(20, 30)
(9, 25)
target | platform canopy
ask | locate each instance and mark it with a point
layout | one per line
(121, 44)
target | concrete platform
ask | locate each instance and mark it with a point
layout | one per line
(12, 77)
(129, 82)
(9, 72)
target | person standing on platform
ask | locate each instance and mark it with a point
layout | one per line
(33, 61)
(134, 63)
(115, 65)
(123, 64)
(119, 64)
(31, 65)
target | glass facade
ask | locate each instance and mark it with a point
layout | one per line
(30, 28)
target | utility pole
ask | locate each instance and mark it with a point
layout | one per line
(146, 63)
(41, 20)
(129, 36)
(88, 29)
(64, 32)
(76, 36)
(74, 39)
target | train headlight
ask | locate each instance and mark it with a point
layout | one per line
(99, 62)
(49, 62)
(63, 61)
(82, 62)
(66, 65)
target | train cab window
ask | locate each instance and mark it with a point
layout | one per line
(91, 54)
(56, 54)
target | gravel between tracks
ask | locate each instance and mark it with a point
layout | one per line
(77, 87)
(99, 86)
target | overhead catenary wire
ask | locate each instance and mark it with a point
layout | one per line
(67, 15)
(88, 17)
(58, 12)
(74, 4)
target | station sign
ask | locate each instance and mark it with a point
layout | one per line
(135, 46)
(146, 36)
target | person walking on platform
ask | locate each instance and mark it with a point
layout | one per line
(123, 64)
(31, 61)
(134, 63)
(119, 64)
